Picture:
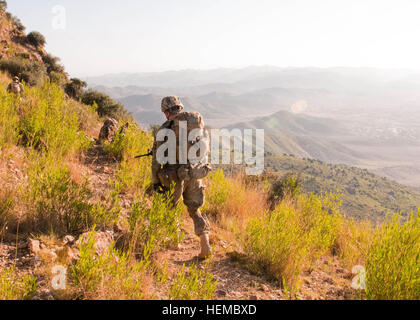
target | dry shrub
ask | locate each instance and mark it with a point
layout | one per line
(352, 242)
(229, 200)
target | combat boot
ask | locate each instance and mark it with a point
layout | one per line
(205, 246)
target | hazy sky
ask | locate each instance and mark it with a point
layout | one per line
(103, 36)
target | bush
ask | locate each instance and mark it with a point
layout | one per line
(49, 124)
(59, 78)
(154, 225)
(14, 287)
(352, 242)
(58, 205)
(9, 119)
(36, 39)
(31, 72)
(75, 88)
(393, 263)
(52, 64)
(106, 106)
(229, 200)
(196, 284)
(133, 175)
(18, 23)
(109, 276)
(287, 187)
(289, 239)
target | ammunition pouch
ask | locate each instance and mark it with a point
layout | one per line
(198, 171)
(177, 173)
(167, 175)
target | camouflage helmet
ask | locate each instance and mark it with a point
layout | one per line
(170, 102)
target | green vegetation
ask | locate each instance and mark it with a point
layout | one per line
(49, 124)
(31, 73)
(52, 64)
(282, 224)
(393, 261)
(75, 88)
(105, 105)
(291, 238)
(195, 284)
(156, 225)
(112, 275)
(365, 195)
(60, 206)
(36, 38)
(16, 287)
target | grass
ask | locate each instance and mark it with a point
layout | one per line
(288, 240)
(59, 205)
(110, 276)
(231, 199)
(364, 195)
(194, 284)
(16, 287)
(282, 231)
(154, 224)
(393, 262)
(133, 175)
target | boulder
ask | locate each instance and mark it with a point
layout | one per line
(103, 240)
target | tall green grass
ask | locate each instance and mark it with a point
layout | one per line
(9, 119)
(156, 224)
(288, 240)
(195, 284)
(16, 287)
(133, 175)
(393, 262)
(58, 205)
(110, 276)
(47, 123)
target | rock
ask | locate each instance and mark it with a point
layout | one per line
(108, 130)
(73, 254)
(103, 240)
(68, 240)
(34, 246)
(263, 288)
(341, 270)
(221, 292)
(48, 254)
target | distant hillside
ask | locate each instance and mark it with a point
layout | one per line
(303, 136)
(365, 195)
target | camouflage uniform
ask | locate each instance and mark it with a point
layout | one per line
(108, 130)
(15, 87)
(191, 190)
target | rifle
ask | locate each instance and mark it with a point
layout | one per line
(150, 153)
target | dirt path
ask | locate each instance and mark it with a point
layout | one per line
(233, 281)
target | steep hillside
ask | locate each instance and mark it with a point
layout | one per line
(364, 194)
(14, 41)
(78, 220)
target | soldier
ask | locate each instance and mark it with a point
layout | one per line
(15, 86)
(186, 177)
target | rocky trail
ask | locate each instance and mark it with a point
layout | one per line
(327, 281)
